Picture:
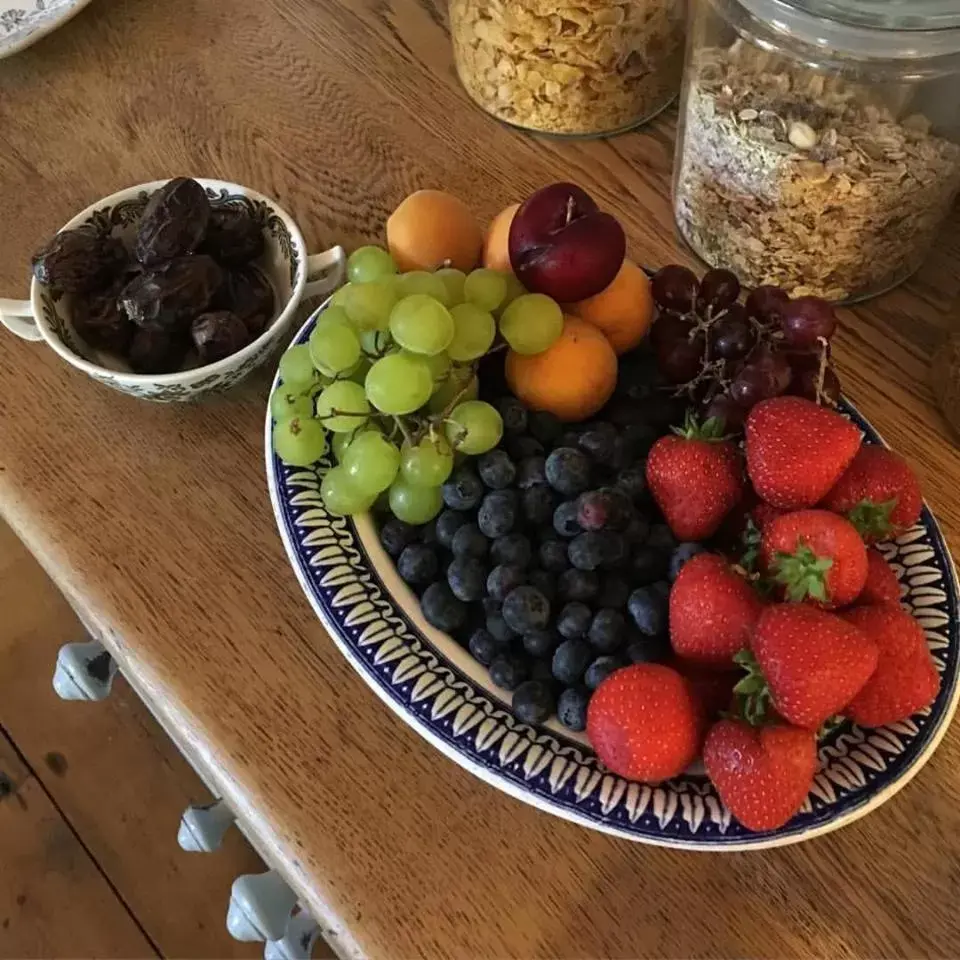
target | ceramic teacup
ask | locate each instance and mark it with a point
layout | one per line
(294, 273)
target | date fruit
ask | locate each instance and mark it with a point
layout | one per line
(233, 238)
(218, 334)
(78, 261)
(98, 320)
(247, 293)
(153, 350)
(174, 222)
(170, 294)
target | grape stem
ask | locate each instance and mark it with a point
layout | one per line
(822, 370)
(406, 434)
(334, 412)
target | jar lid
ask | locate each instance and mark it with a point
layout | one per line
(886, 14)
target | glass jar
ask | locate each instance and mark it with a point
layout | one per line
(592, 68)
(818, 140)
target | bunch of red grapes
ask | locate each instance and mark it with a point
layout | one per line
(727, 356)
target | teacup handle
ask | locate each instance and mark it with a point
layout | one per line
(17, 317)
(325, 272)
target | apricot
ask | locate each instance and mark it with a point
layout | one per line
(573, 378)
(623, 311)
(432, 229)
(496, 252)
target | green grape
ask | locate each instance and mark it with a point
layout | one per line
(532, 323)
(476, 427)
(332, 315)
(428, 464)
(453, 279)
(297, 369)
(514, 289)
(286, 403)
(360, 370)
(421, 324)
(486, 288)
(372, 462)
(334, 348)
(461, 384)
(368, 305)
(369, 263)
(438, 365)
(375, 342)
(340, 441)
(428, 284)
(341, 496)
(348, 399)
(413, 504)
(340, 295)
(473, 332)
(399, 383)
(299, 441)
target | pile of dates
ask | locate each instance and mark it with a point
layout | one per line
(186, 295)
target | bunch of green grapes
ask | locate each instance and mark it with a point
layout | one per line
(389, 372)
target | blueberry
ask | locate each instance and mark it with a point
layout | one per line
(464, 489)
(553, 556)
(537, 504)
(468, 541)
(498, 629)
(578, 585)
(599, 670)
(647, 564)
(569, 438)
(574, 620)
(614, 592)
(467, 577)
(496, 469)
(607, 631)
(448, 523)
(491, 605)
(442, 609)
(648, 608)
(620, 508)
(498, 513)
(544, 426)
(540, 643)
(570, 659)
(637, 530)
(680, 556)
(428, 532)
(533, 702)
(661, 536)
(568, 471)
(587, 550)
(395, 535)
(661, 588)
(483, 647)
(418, 564)
(541, 670)
(514, 414)
(531, 472)
(545, 582)
(632, 481)
(643, 649)
(616, 550)
(508, 672)
(572, 708)
(503, 578)
(520, 448)
(526, 608)
(565, 519)
(512, 548)
(599, 442)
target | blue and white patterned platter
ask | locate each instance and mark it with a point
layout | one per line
(436, 687)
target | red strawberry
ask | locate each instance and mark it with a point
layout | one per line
(878, 492)
(645, 723)
(815, 555)
(813, 662)
(796, 451)
(764, 513)
(696, 479)
(763, 774)
(712, 611)
(882, 585)
(905, 680)
(713, 688)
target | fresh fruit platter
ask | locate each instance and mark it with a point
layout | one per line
(611, 538)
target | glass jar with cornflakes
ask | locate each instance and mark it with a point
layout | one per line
(589, 68)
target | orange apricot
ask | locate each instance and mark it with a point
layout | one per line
(431, 229)
(573, 378)
(623, 311)
(496, 252)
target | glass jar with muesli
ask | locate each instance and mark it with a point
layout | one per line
(818, 143)
(573, 68)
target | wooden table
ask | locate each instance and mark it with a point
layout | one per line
(155, 522)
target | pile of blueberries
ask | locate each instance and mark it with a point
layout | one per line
(550, 562)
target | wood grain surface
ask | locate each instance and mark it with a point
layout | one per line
(155, 520)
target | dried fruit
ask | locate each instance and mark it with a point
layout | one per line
(77, 261)
(173, 223)
(98, 320)
(168, 295)
(153, 350)
(233, 237)
(246, 292)
(218, 334)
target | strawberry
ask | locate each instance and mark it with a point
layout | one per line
(763, 774)
(712, 688)
(815, 555)
(796, 450)
(813, 663)
(764, 513)
(878, 492)
(645, 723)
(695, 477)
(712, 611)
(882, 585)
(905, 680)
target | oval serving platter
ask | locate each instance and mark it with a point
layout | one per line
(436, 687)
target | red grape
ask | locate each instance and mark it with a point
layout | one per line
(804, 384)
(718, 289)
(752, 384)
(805, 320)
(674, 288)
(725, 408)
(680, 359)
(765, 303)
(807, 359)
(667, 328)
(732, 337)
(773, 363)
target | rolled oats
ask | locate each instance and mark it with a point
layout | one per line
(580, 67)
(806, 181)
